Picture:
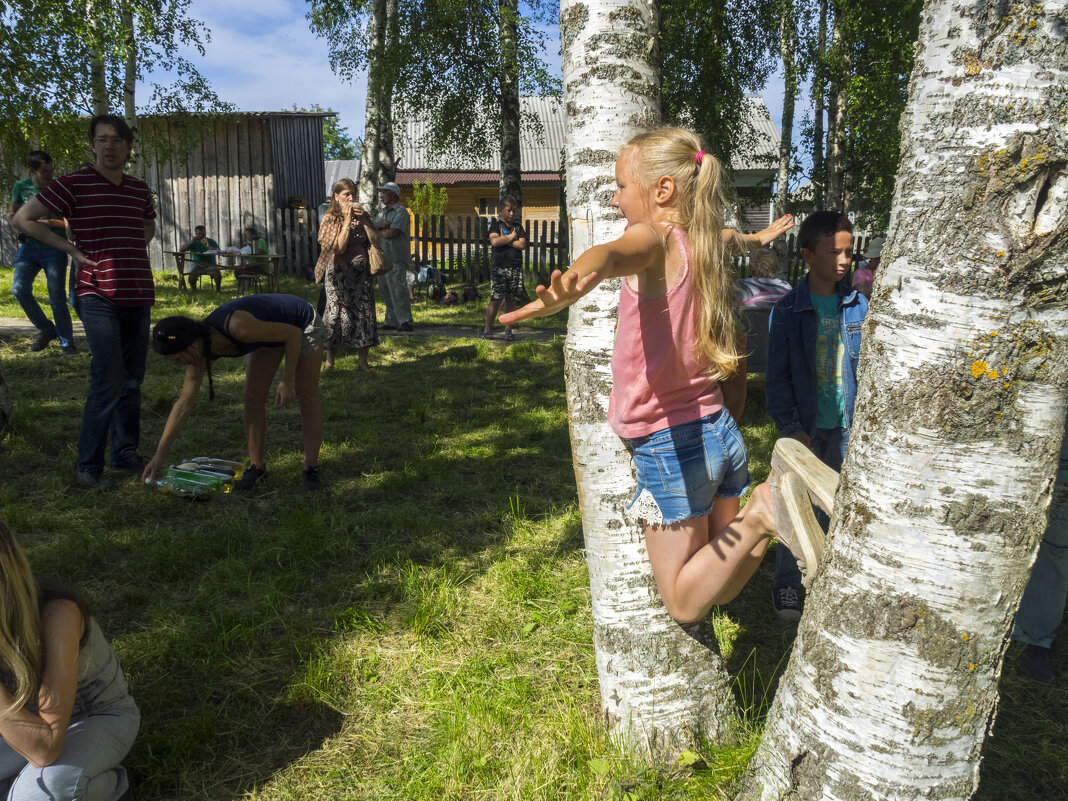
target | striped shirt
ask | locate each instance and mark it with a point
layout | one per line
(107, 222)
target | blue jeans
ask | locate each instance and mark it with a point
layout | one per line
(1042, 608)
(829, 444)
(29, 261)
(118, 341)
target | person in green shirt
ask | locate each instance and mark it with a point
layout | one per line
(203, 249)
(251, 267)
(34, 256)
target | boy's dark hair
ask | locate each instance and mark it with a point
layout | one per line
(510, 202)
(35, 158)
(820, 224)
(118, 123)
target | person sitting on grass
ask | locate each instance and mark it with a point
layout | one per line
(264, 328)
(676, 337)
(67, 718)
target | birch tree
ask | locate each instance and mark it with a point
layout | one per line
(660, 683)
(944, 494)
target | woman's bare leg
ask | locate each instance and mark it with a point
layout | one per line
(260, 367)
(311, 412)
(696, 569)
(331, 355)
(364, 365)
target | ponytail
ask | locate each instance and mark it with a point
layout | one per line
(702, 186)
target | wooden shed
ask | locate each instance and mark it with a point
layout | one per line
(230, 171)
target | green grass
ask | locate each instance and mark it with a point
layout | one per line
(421, 630)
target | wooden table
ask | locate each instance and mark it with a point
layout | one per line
(200, 268)
(236, 262)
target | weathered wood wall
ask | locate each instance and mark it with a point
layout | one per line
(237, 170)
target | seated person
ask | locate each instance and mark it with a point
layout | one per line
(203, 249)
(67, 719)
(761, 288)
(258, 264)
(864, 275)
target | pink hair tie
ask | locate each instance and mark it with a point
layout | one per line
(700, 155)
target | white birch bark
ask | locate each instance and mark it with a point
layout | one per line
(371, 155)
(660, 683)
(511, 164)
(129, 89)
(787, 50)
(964, 368)
(97, 69)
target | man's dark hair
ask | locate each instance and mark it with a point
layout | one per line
(199, 228)
(36, 158)
(118, 123)
(820, 224)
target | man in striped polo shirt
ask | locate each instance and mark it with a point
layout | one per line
(112, 220)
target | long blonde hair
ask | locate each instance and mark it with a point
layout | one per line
(21, 598)
(701, 189)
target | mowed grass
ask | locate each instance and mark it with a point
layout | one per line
(422, 629)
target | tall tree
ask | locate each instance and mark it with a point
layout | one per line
(819, 103)
(791, 84)
(715, 53)
(963, 390)
(511, 164)
(660, 682)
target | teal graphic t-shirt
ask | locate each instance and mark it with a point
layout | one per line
(21, 193)
(830, 353)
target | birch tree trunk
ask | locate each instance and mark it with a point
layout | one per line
(129, 89)
(819, 89)
(387, 162)
(787, 49)
(511, 166)
(836, 105)
(97, 69)
(371, 154)
(660, 683)
(961, 405)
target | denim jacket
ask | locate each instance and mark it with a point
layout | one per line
(790, 381)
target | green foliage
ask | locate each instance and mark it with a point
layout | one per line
(715, 53)
(45, 82)
(427, 200)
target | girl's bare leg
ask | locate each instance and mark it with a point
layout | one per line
(311, 412)
(260, 367)
(706, 561)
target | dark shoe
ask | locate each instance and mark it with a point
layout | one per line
(789, 602)
(509, 337)
(1034, 663)
(488, 335)
(131, 462)
(93, 479)
(312, 481)
(70, 350)
(42, 341)
(250, 478)
(406, 327)
(385, 327)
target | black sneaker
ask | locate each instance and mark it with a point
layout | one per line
(130, 462)
(42, 341)
(70, 350)
(250, 478)
(1034, 663)
(312, 481)
(92, 479)
(789, 602)
(406, 327)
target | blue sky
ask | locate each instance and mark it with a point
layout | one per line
(263, 57)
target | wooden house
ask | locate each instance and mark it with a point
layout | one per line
(230, 171)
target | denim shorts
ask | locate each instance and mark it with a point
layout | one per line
(316, 336)
(684, 469)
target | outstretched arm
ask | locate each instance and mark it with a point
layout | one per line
(246, 328)
(194, 376)
(640, 247)
(737, 242)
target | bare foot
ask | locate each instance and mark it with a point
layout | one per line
(760, 507)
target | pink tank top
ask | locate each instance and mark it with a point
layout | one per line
(656, 379)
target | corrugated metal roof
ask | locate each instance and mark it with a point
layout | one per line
(545, 154)
(409, 177)
(537, 153)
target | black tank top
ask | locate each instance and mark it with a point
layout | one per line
(288, 309)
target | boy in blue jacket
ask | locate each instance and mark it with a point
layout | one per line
(811, 379)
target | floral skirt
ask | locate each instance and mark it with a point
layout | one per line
(350, 306)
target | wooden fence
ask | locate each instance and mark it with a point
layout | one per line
(460, 248)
